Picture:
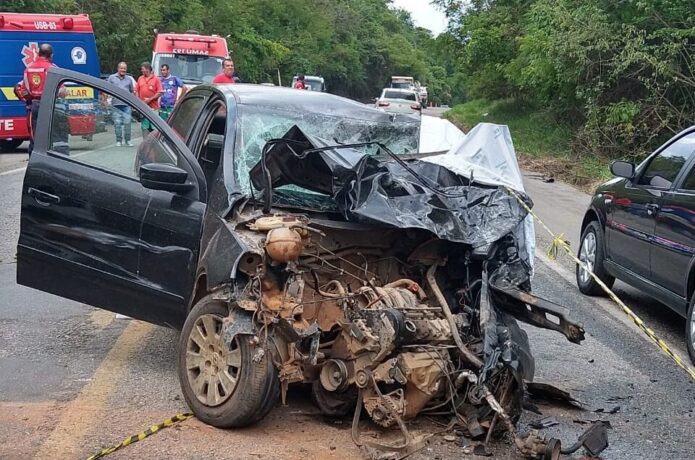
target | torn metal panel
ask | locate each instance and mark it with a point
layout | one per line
(487, 154)
(368, 189)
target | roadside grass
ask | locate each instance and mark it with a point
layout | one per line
(542, 144)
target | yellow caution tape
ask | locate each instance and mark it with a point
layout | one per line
(140, 436)
(560, 242)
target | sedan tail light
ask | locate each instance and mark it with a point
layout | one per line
(416, 107)
(383, 104)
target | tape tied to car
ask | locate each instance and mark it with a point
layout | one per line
(559, 242)
(140, 436)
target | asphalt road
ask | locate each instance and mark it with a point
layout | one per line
(74, 379)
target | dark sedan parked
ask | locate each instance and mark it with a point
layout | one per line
(640, 228)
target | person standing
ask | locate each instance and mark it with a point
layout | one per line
(121, 114)
(170, 85)
(227, 75)
(34, 83)
(299, 84)
(149, 90)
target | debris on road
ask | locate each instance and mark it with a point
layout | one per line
(546, 422)
(614, 410)
(594, 440)
(546, 392)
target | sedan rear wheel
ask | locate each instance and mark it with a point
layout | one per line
(225, 385)
(591, 254)
(690, 330)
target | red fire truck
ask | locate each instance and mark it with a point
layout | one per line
(192, 57)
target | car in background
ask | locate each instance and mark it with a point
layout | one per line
(640, 228)
(312, 82)
(401, 82)
(399, 101)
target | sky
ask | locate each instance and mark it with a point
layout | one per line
(424, 14)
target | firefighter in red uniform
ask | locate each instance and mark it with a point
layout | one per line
(34, 82)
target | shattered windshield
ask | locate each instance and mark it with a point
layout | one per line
(260, 124)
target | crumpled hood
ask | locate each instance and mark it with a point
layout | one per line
(379, 190)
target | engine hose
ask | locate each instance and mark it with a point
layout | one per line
(465, 352)
(410, 285)
(571, 449)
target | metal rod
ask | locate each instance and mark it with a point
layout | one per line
(465, 352)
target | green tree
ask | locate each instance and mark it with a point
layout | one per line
(355, 45)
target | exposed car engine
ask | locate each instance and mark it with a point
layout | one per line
(399, 328)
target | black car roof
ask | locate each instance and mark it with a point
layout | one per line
(278, 97)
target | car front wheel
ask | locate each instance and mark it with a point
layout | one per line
(225, 385)
(591, 254)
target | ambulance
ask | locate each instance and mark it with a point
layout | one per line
(192, 57)
(74, 48)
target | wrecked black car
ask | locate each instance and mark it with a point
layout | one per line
(303, 238)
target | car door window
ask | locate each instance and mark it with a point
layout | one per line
(662, 170)
(182, 121)
(102, 130)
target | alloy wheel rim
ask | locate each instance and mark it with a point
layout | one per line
(587, 254)
(212, 367)
(692, 329)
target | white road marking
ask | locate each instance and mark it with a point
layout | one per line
(81, 415)
(12, 171)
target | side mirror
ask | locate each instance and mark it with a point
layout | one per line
(623, 169)
(164, 176)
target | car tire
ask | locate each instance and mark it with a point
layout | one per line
(10, 146)
(251, 385)
(690, 330)
(591, 253)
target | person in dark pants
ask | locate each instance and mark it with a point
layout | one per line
(35, 81)
(122, 113)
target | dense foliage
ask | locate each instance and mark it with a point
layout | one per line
(623, 72)
(355, 44)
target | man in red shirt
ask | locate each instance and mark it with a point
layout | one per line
(227, 75)
(33, 84)
(149, 90)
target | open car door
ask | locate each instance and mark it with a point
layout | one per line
(98, 210)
